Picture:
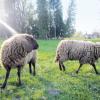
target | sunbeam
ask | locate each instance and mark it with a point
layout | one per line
(9, 28)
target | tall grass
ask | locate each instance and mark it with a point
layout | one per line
(50, 83)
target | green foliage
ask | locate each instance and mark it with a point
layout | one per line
(70, 24)
(59, 24)
(42, 11)
(44, 20)
(57, 19)
(50, 83)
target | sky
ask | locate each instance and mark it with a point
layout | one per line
(87, 15)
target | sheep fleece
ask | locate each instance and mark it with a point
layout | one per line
(84, 51)
(14, 50)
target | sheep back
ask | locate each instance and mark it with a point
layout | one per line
(15, 49)
(75, 50)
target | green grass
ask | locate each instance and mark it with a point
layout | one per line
(50, 83)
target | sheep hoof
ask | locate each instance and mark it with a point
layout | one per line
(30, 72)
(76, 72)
(34, 74)
(19, 84)
(3, 86)
(97, 73)
(64, 70)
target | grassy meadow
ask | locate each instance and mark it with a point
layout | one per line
(50, 83)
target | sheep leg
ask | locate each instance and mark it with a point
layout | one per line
(18, 73)
(60, 66)
(63, 66)
(34, 72)
(6, 78)
(30, 69)
(94, 66)
(79, 68)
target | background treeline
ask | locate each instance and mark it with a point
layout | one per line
(42, 18)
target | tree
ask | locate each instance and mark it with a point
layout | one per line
(45, 22)
(70, 24)
(19, 12)
(42, 10)
(16, 14)
(57, 20)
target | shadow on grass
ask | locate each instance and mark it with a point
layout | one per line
(44, 88)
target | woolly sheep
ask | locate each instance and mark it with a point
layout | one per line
(85, 52)
(31, 60)
(15, 51)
